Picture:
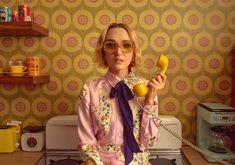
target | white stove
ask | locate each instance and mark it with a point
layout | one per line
(61, 142)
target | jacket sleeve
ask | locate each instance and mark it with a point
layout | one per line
(87, 141)
(149, 128)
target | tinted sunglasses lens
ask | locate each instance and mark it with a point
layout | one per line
(127, 46)
(110, 46)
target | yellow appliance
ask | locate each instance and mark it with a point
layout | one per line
(7, 139)
(17, 125)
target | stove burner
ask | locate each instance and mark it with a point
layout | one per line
(163, 161)
(67, 161)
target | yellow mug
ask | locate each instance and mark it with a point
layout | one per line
(18, 68)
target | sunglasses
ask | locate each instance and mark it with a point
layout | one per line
(111, 46)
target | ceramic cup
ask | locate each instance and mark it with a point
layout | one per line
(17, 68)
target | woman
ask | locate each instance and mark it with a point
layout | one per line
(113, 128)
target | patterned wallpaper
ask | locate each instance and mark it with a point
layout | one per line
(197, 35)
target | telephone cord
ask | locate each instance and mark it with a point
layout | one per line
(179, 137)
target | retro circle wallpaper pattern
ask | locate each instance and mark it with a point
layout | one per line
(198, 37)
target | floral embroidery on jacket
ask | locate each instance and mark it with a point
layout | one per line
(114, 148)
(141, 158)
(111, 147)
(105, 110)
(136, 117)
(91, 153)
(131, 80)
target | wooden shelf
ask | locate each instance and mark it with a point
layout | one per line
(22, 29)
(24, 79)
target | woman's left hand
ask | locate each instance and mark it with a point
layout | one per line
(156, 84)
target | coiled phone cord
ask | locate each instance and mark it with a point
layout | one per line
(153, 115)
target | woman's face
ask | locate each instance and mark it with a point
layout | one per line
(118, 50)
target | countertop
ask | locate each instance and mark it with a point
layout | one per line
(31, 158)
(194, 157)
(20, 157)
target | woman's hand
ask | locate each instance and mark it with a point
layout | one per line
(156, 84)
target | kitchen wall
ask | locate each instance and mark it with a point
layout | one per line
(197, 36)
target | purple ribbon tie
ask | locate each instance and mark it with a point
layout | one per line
(123, 93)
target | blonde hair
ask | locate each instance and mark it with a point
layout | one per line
(99, 50)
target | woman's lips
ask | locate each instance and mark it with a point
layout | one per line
(118, 60)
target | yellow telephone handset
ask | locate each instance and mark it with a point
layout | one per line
(163, 63)
(141, 89)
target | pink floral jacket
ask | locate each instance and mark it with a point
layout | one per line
(100, 127)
